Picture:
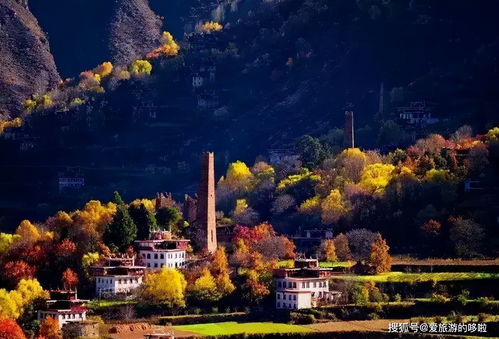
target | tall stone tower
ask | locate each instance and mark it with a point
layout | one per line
(381, 107)
(206, 218)
(349, 134)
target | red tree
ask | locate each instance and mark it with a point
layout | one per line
(9, 329)
(65, 248)
(69, 279)
(17, 270)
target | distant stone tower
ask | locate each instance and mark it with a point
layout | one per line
(349, 141)
(381, 107)
(206, 218)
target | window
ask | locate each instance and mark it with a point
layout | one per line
(278, 296)
(314, 284)
(162, 256)
(156, 264)
(155, 255)
(148, 255)
(294, 297)
(302, 285)
(294, 285)
(278, 284)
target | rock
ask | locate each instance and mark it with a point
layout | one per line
(135, 31)
(27, 66)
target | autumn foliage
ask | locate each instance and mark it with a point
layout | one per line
(9, 329)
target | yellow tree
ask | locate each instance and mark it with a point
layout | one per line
(212, 26)
(165, 287)
(376, 177)
(205, 288)
(140, 68)
(379, 258)
(220, 270)
(238, 177)
(104, 69)
(328, 250)
(332, 207)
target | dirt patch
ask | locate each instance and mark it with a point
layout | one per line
(138, 330)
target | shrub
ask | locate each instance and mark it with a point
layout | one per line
(373, 316)
(397, 297)
(299, 318)
(484, 317)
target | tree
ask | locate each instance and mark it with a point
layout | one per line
(49, 328)
(65, 248)
(69, 279)
(117, 198)
(254, 290)
(431, 228)
(376, 177)
(9, 329)
(328, 250)
(238, 177)
(379, 257)
(311, 151)
(17, 270)
(390, 134)
(104, 69)
(144, 219)
(466, 236)
(122, 231)
(169, 47)
(140, 68)
(342, 247)
(332, 207)
(212, 26)
(166, 287)
(168, 217)
(220, 270)
(205, 289)
(360, 241)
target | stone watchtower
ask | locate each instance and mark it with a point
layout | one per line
(349, 141)
(206, 218)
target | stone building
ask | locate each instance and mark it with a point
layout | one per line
(349, 133)
(206, 214)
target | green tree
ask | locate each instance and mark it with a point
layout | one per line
(312, 152)
(144, 219)
(117, 198)
(168, 217)
(121, 231)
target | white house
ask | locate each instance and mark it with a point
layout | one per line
(304, 286)
(65, 307)
(119, 275)
(155, 254)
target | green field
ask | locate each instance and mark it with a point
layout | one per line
(419, 277)
(226, 328)
(326, 264)
(95, 304)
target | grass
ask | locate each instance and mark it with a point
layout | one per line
(419, 277)
(325, 264)
(227, 328)
(96, 303)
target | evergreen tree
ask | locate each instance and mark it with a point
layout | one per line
(121, 231)
(144, 219)
(117, 198)
(168, 217)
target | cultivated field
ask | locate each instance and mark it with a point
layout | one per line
(234, 328)
(419, 277)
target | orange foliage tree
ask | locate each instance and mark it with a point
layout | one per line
(17, 270)
(69, 279)
(49, 329)
(379, 258)
(9, 329)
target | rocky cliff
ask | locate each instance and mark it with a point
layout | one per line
(26, 64)
(135, 30)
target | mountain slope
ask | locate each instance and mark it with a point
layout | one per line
(27, 65)
(135, 30)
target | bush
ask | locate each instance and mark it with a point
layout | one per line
(484, 317)
(373, 316)
(397, 297)
(303, 319)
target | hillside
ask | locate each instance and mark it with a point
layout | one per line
(27, 65)
(135, 30)
(281, 69)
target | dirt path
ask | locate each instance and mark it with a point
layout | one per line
(358, 325)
